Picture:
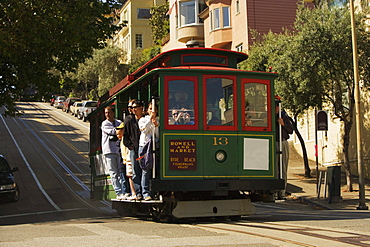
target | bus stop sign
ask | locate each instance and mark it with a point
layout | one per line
(322, 120)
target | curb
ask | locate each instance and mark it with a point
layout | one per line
(311, 202)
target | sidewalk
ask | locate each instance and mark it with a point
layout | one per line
(304, 189)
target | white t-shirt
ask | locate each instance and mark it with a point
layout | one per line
(147, 127)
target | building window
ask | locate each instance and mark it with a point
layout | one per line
(139, 41)
(216, 20)
(189, 11)
(220, 20)
(125, 16)
(226, 16)
(143, 14)
(239, 47)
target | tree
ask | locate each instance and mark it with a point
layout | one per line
(273, 49)
(316, 67)
(140, 57)
(159, 22)
(109, 69)
(98, 74)
(38, 36)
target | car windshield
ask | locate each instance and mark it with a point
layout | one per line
(4, 167)
(91, 104)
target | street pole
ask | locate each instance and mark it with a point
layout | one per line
(360, 167)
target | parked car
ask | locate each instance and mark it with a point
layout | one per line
(59, 102)
(74, 108)
(68, 102)
(86, 108)
(8, 187)
(53, 98)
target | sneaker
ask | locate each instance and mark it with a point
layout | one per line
(127, 195)
(148, 198)
(132, 198)
(139, 198)
(121, 197)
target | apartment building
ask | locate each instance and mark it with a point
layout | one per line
(134, 20)
(226, 24)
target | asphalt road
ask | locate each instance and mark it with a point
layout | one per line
(50, 149)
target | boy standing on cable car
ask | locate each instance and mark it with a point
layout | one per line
(131, 141)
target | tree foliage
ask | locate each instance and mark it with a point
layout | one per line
(38, 36)
(159, 22)
(98, 74)
(110, 70)
(139, 57)
(315, 64)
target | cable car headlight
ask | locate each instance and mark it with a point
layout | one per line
(220, 156)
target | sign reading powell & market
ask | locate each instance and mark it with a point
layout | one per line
(183, 155)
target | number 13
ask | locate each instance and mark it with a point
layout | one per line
(220, 141)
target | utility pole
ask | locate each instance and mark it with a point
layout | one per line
(360, 166)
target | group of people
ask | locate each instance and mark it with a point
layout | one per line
(122, 147)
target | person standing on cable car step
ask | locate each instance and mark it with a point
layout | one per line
(126, 166)
(286, 130)
(131, 141)
(110, 152)
(148, 125)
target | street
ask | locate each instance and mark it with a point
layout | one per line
(50, 148)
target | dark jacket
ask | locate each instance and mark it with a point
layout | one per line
(132, 134)
(286, 130)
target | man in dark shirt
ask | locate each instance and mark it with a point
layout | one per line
(286, 130)
(131, 141)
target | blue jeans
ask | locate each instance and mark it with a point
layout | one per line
(136, 177)
(112, 164)
(145, 179)
(124, 182)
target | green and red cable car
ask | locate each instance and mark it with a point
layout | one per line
(217, 135)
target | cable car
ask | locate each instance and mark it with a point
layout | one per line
(216, 151)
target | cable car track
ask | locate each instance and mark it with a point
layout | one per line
(40, 136)
(313, 236)
(70, 174)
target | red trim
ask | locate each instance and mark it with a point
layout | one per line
(269, 122)
(164, 62)
(166, 117)
(205, 55)
(235, 100)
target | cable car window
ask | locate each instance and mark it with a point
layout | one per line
(181, 102)
(219, 101)
(255, 105)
